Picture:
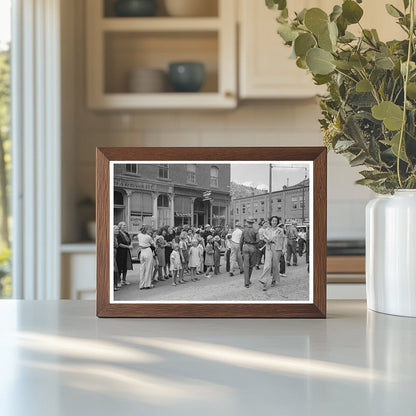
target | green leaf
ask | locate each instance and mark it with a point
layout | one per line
(287, 33)
(393, 11)
(316, 20)
(394, 145)
(276, 4)
(363, 86)
(319, 61)
(336, 12)
(411, 90)
(384, 62)
(391, 114)
(303, 43)
(344, 65)
(351, 11)
(359, 160)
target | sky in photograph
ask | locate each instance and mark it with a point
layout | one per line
(257, 174)
(4, 22)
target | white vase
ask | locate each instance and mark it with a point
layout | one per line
(391, 253)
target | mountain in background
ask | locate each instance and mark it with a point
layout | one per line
(238, 190)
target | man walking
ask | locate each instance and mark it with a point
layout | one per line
(249, 242)
(292, 237)
(236, 259)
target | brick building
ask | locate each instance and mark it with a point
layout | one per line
(290, 204)
(171, 194)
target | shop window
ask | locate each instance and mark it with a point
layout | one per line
(214, 177)
(164, 171)
(191, 173)
(118, 198)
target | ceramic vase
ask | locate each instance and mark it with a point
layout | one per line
(391, 253)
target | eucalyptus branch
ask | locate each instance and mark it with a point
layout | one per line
(406, 79)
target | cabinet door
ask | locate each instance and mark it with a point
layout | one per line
(265, 68)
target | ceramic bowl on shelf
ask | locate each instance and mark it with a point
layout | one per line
(135, 8)
(191, 8)
(147, 80)
(186, 76)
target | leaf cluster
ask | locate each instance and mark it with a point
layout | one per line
(367, 116)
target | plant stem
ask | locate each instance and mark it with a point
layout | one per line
(406, 79)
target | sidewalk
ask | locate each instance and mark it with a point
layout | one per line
(222, 287)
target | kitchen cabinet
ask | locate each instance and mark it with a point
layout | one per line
(265, 70)
(118, 45)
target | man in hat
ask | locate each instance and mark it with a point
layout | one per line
(292, 238)
(236, 260)
(249, 241)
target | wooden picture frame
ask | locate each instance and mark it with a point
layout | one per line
(314, 307)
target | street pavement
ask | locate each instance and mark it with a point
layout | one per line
(222, 287)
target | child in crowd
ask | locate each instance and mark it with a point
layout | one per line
(160, 256)
(175, 264)
(183, 249)
(209, 256)
(194, 260)
(217, 254)
(201, 255)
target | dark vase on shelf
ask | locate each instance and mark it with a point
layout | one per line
(135, 8)
(186, 76)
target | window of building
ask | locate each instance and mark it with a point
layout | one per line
(118, 198)
(132, 169)
(164, 171)
(191, 173)
(214, 177)
(294, 202)
(163, 201)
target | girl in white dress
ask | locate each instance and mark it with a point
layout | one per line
(175, 264)
(194, 260)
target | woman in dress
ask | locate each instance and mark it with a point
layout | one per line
(209, 256)
(123, 257)
(217, 254)
(146, 259)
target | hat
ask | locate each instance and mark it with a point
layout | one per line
(250, 220)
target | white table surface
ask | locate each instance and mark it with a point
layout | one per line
(57, 358)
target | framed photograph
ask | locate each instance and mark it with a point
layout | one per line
(211, 232)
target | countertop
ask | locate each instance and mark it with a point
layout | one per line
(57, 358)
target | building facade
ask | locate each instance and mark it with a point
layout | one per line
(290, 204)
(171, 194)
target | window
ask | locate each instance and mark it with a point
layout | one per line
(191, 173)
(214, 176)
(132, 169)
(118, 198)
(164, 171)
(294, 202)
(163, 201)
(5, 145)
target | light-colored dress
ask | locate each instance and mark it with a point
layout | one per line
(194, 260)
(175, 261)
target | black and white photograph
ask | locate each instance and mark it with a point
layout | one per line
(211, 232)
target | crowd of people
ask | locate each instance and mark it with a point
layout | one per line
(185, 254)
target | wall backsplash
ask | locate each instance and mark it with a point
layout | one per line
(253, 123)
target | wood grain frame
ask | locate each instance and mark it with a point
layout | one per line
(317, 309)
